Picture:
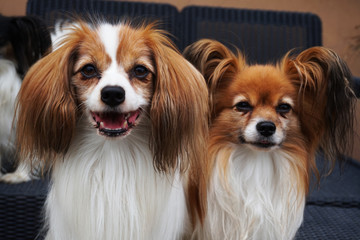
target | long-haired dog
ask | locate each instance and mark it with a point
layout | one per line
(267, 122)
(23, 40)
(118, 115)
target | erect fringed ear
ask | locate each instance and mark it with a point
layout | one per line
(206, 54)
(325, 99)
(217, 64)
(46, 108)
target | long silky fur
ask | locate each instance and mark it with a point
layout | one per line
(46, 108)
(325, 111)
(172, 112)
(325, 97)
(50, 117)
(165, 109)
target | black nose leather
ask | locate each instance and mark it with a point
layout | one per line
(112, 95)
(266, 128)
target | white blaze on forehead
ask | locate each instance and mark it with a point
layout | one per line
(114, 74)
(109, 36)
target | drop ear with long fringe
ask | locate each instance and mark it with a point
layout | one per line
(46, 107)
(179, 113)
(179, 107)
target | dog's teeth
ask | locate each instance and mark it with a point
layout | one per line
(127, 116)
(125, 125)
(102, 125)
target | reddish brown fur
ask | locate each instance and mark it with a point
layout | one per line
(46, 105)
(326, 102)
(317, 82)
(264, 87)
(50, 104)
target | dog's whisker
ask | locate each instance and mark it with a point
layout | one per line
(93, 128)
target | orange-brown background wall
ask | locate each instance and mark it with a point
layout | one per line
(340, 19)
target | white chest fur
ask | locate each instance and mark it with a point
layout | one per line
(108, 189)
(257, 198)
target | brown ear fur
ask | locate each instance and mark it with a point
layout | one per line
(46, 107)
(217, 64)
(326, 101)
(206, 54)
(179, 111)
(178, 108)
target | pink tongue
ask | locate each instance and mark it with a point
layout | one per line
(133, 117)
(113, 121)
(110, 120)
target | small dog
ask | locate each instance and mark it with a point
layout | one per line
(121, 119)
(23, 40)
(267, 122)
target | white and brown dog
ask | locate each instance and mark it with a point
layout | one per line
(267, 122)
(121, 119)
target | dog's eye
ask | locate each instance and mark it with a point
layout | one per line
(140, 71)
(283, 108)
(243, 107)
(89, 71)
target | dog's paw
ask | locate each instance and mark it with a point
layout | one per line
(16, 177)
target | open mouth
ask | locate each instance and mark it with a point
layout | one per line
(114, 124)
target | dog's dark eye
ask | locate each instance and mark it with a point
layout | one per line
(283, 108)
(140, 71)
(89, 71)
(243, 107)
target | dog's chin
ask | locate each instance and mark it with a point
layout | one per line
(115, 124)
(263, 145)
(260, 145)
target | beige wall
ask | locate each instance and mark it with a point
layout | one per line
(339, 19)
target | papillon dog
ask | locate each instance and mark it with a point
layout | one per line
(23, 40)
(267, 123)
(117, 114)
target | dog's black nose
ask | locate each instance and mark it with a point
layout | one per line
(112, 95)
(266, 128)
